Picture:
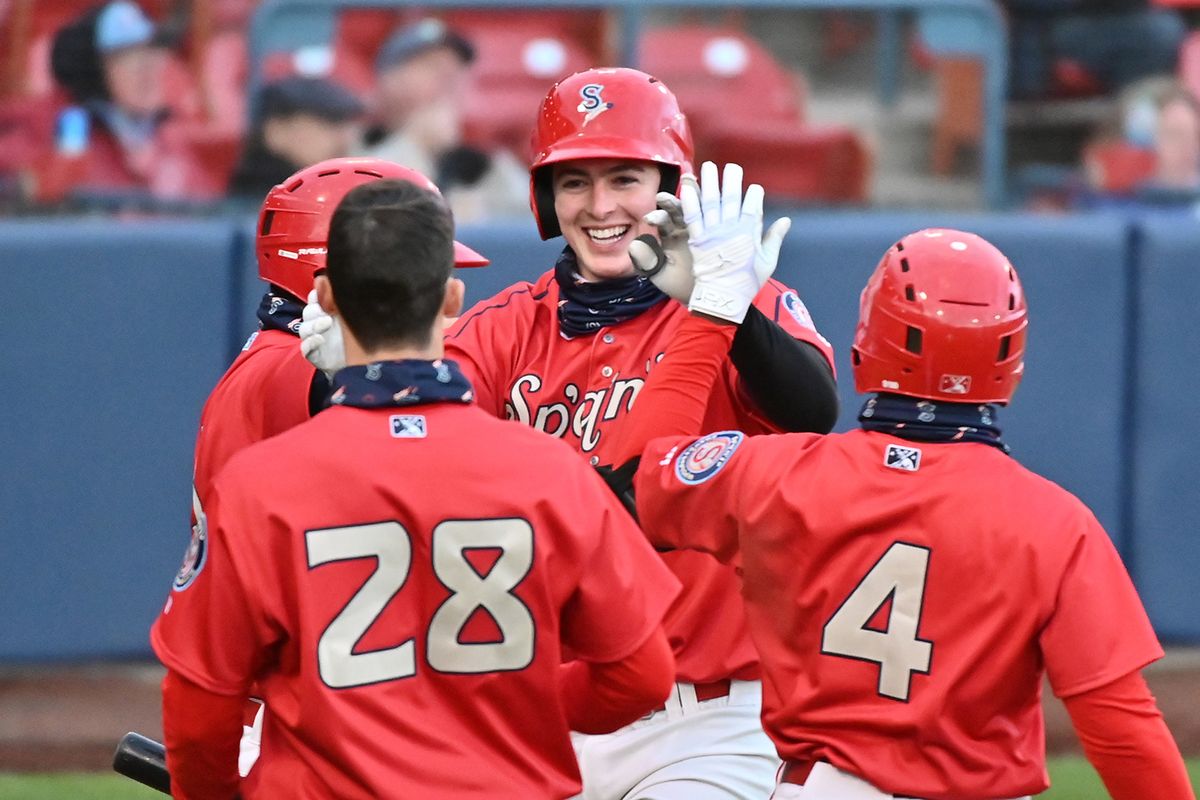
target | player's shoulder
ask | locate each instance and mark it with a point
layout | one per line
(261, 463)
(270, 365)
(1042, 497)
(520, 300)
(777, 300)
(267, 353)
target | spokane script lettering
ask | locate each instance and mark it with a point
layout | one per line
(578, 412)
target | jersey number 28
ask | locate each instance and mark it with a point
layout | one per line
(389, 543)
(899, 576)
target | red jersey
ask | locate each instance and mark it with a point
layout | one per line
(263, 393)
(402, 585)
(522, 368)
(906, 598)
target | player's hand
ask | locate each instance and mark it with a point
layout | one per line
(321, 337)
(731, 258)
(667, 260)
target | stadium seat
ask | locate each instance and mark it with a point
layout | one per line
(719, 72)
(803, 164)
(514, 68)
(225, 75)
(218, 152)
(745, 106)
(26, 125)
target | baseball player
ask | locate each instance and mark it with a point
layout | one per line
(270, 387)
(568, 354)
(405, 592)
(909, 583)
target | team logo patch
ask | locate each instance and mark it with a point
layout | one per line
(705, 457)
(592, 103)
(955, 384)
(795, 306)
(196, 555)
(901, 457)
(408, 426)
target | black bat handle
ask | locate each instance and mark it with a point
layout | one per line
(144, 760)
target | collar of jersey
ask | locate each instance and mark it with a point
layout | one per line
(400, 384)
(926, 421)
(280, 312)
(585, 307)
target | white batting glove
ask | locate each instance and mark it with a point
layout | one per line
(321, 337)
(731, 258)
(667, 260)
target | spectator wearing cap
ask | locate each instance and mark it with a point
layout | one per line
(298, 121)
(119, 136)
(422, 76)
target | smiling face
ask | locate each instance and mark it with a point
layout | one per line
(600, 204)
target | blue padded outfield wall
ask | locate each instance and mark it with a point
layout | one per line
(114, 333)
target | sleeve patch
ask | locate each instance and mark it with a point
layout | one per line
(795, 306)
(705, 457)
(197, 552)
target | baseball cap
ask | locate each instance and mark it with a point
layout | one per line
(122, 24)
(421, 37)
(317, 96)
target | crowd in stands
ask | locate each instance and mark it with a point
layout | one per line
(139, 104)
(125, 104)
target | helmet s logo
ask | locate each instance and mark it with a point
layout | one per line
(955, 384)
(591, 103)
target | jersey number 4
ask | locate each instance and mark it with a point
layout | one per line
(389, 543)
(898, 576)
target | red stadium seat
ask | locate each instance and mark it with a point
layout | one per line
(225, 74)
(514, 68)
(745, 106)
(718, 73)
(26, 131)
(217, 152)
(807, 164)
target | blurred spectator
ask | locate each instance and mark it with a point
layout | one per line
(298, 121)
(1098, 44)
(1150, 159)
(422, 75)
(1176, 143)
(119, 136)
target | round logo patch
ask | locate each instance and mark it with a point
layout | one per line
(196, 555)
(704, 457)
(795, 306)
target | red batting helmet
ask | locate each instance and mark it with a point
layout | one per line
(293, 225)
(606, 113)
(942, 318)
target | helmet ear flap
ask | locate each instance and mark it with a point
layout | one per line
(670, 177)
(542, 194)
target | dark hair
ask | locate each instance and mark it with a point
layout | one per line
(391, 251)
(75, 61)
